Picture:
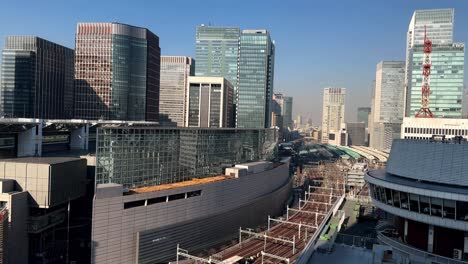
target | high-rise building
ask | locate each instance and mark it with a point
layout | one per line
(255, 89)
(37, 79)
(387, 104)
(446, 80)
(172, 95)
(209, 102)
(356, 134)
(447, 59)
(117, 70)
(363, 115)
(282, 106)
(333, 114)
(217, 52)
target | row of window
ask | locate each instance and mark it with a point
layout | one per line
(444, 208)
(162, 199)
(437, 131)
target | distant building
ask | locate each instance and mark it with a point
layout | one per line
(447, 59)
(363, 115)
(426, 128)
(356, 134)
(255, 83)
(209, 102)
(387, 104)
(333, 115)
(117, 72)
(217, 52)
(175, 71)
(37, 79)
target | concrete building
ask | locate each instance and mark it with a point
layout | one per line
(217, 52)
(36, 193)
(209, 102)
(117, 72)
(356, 134)
(447, 59)
(427, 128)
(183, 189)
(255, 83)
(333, 114)
(175, 71)
(387, 104)
(36, 79)
(423, 192)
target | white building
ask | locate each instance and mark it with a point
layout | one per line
(333, 114)
(387, 104)
(425, 128)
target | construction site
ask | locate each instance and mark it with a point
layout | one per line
(313, 221)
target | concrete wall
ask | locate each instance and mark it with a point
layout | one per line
(115, 229)
(48, 184)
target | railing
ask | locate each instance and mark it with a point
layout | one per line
(355, 241)
(411, 251)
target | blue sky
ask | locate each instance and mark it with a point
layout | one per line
(318, 43)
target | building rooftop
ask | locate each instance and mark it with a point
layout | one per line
(195, 181)
(41, 160)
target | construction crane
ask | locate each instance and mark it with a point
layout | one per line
(425, 112)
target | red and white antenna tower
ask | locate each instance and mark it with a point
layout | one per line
(425, 112)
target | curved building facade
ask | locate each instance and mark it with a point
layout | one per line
(425, 190)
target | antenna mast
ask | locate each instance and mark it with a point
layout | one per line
(425, 112)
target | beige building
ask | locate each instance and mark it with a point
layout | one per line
(333, 114)
(175, 71)
(209, 102)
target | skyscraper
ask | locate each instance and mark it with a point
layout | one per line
(333, 114)
(387, 104)
(363, 115)
(255, 86)
(37, 79)
(447, 59)
(209, 102)
(117, 70)
(217, 52)
(282, 106)
(174, 73)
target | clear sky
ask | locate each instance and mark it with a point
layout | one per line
(318, 43)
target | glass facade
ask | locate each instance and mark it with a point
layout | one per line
(255, 89)
(217, 52)
(389, 92)
(37, 79)
(446, 80)
(363, 115)
(174, 73)
(117, 72)
(444, 208)
(139, 157)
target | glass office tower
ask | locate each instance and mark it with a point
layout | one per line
(139, 157)
(175, 71)
(217, 52)
(117, 70)
(37, 79)
(255, 89)
(363, 115)
(446, 80)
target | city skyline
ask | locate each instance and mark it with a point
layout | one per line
(293, 60)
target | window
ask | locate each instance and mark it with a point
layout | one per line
(176, 196)
(425, 205)
(157, 200)
(388, 195)
(133, 204)
(396, 198)
(194, 193)
(404, 200)
(462, 211)
(436, 207)
(414, 202)
(449, 209)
